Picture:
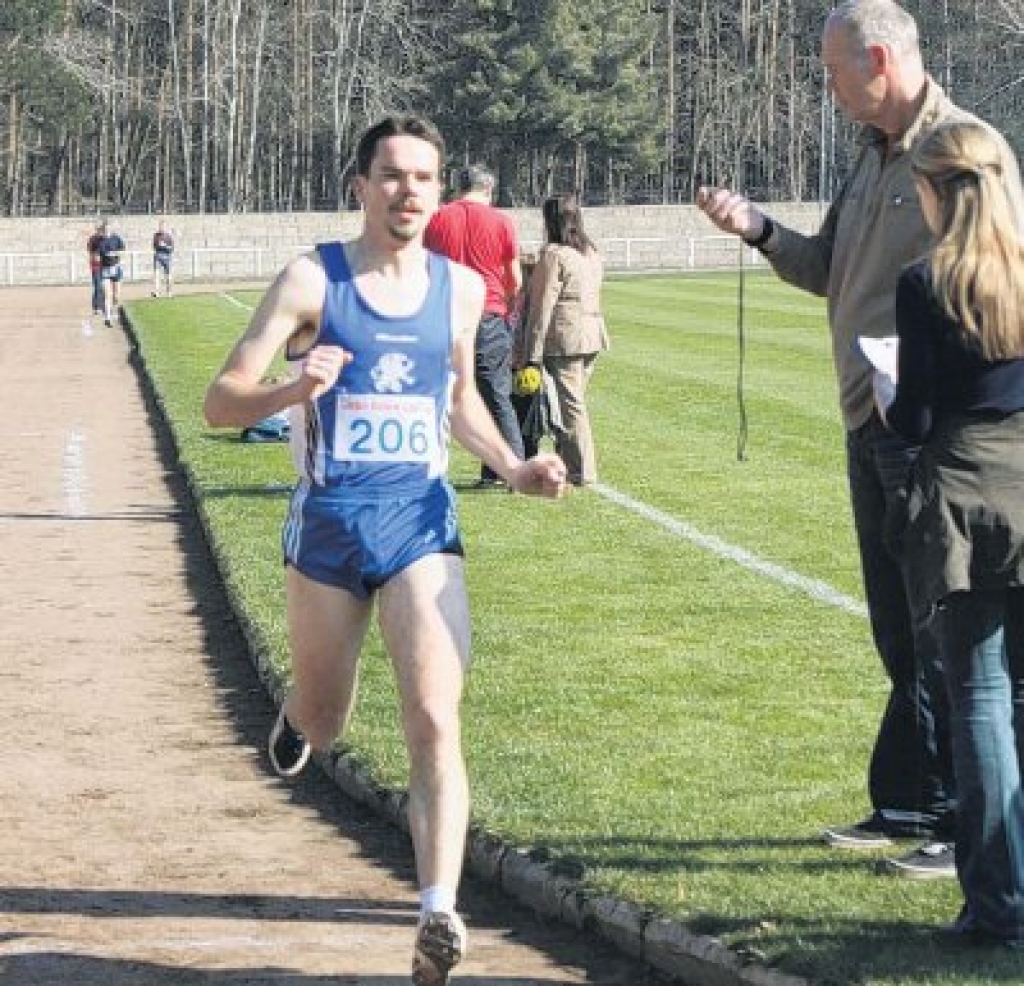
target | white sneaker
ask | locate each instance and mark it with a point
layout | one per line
(440, 946)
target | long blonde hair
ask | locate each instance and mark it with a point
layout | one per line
(977, 261)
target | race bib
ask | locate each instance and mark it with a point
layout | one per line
(385, 428)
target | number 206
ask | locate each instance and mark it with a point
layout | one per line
(390, 437)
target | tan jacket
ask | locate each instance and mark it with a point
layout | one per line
(873, 229)
(563, 315)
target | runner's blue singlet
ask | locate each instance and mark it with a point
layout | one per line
(372, 451)
(383, 428)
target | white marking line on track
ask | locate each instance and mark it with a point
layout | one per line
(817, 590)
(74, 946)
(232, 300)
(73, 474)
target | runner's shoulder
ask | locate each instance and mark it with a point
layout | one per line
(467, 282)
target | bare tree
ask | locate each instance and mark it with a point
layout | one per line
(1011, 13)
(248, 104)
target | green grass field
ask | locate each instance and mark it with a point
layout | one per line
(663, 713)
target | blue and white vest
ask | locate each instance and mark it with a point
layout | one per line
(383, 428)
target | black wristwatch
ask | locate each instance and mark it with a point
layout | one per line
(766, 233)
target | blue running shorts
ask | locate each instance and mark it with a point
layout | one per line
(359, 544)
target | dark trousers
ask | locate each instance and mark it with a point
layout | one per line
(494, 381)
(910, 778)
(522, 404)
(97, 291)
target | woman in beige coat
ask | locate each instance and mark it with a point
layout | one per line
(565, 329)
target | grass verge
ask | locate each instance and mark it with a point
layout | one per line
(664, 719)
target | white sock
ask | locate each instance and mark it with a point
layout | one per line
(437, 898)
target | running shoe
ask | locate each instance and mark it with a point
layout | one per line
(289, 749)
(440, 946)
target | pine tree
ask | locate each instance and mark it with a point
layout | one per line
(542, 82)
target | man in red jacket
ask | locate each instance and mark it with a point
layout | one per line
(474, 233)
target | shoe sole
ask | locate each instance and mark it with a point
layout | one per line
(838, 841)
(911, 872)
(272, 742)
(435, 945)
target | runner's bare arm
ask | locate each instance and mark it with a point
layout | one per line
(472, 424)
(238, 395)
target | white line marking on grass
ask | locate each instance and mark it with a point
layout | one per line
(232, 300)
(817, 590)
(73, 474)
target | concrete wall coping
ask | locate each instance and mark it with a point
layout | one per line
(51, 250)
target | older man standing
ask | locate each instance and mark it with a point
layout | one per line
(871, 52)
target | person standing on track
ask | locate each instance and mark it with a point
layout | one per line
(111, 249)
(92, 245)
(379, 334)
(163, 257)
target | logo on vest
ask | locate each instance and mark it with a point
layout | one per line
(393, 373)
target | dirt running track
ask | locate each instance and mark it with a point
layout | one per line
(143, 838)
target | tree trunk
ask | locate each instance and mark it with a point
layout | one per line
(254, 106)
(184, 127)
(13, 203)
(668, 169)
(205, 110)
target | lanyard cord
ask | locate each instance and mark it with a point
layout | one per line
(741, 341)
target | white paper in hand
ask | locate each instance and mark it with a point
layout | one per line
(882, 354)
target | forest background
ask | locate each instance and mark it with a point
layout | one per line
(179, 106)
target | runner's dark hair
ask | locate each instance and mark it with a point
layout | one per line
(396, 126)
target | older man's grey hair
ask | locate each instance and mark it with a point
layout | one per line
(877, 22)
(476, 178)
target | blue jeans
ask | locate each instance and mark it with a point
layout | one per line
(494, 380)
(983, 657)
(910, 777)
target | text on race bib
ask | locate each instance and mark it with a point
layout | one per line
(385, 428)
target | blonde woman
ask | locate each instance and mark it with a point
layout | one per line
(565, 328)
(960, 318)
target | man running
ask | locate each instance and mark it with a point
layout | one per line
(379, 333)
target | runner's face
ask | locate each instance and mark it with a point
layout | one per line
(402, 190)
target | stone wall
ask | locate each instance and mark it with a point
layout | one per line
(255, 246)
